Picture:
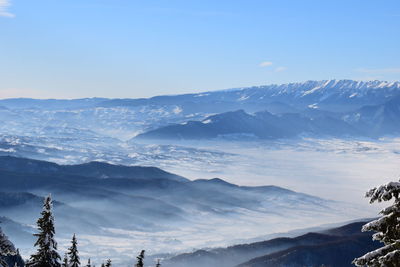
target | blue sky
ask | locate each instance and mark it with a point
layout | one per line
(128, 48)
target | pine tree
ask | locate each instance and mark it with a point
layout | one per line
(88, 263)
(158, 263)
(46, 255)
(6, 247)
(140, 259)
(102, 265)
(108, 263)
(73, 253)
(65, 261)
(387, 228)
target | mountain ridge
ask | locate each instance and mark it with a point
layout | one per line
(260, 125)
(88, 169)
(313, 85)
(123, 118)
(152, 205)
(286, 251)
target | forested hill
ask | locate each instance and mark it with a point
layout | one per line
(335, 247)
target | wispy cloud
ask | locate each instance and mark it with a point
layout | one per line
(265, 64)
(379, 71)
(4, 4)
(280, 69)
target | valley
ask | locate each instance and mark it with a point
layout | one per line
(172, 174)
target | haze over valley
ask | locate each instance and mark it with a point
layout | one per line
(223, 168)
(199, 133)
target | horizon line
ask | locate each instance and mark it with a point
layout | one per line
(201, 92)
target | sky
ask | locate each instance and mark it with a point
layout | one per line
(129, 48)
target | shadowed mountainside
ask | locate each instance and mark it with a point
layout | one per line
(98, 198)
(335, 247)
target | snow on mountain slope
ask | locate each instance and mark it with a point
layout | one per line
(124, 118)
(329, 94)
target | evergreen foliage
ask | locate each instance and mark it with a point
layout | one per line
(46, 255)
(88, 263)
(73, 254)
(3, 263)
(108, 263)
(387, 228)
(65, 261)
(6, 247)
(140, 259)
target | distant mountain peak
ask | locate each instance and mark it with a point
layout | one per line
(215, 181)
(312, 86)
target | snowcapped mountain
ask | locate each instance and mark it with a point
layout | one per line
(172, 211)
(334, 95)
(125, 118)
(323, 90)
(378, 118)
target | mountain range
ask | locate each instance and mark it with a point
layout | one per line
(115, 207)
(325, 93)
(340, 107)
(99, 201)
(261, 125)
(368, 121)
(335, 247)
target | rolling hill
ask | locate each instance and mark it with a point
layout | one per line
(335, 247)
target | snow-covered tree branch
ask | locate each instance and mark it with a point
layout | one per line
(387, 228)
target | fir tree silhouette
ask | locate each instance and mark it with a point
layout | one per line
(46, 255)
